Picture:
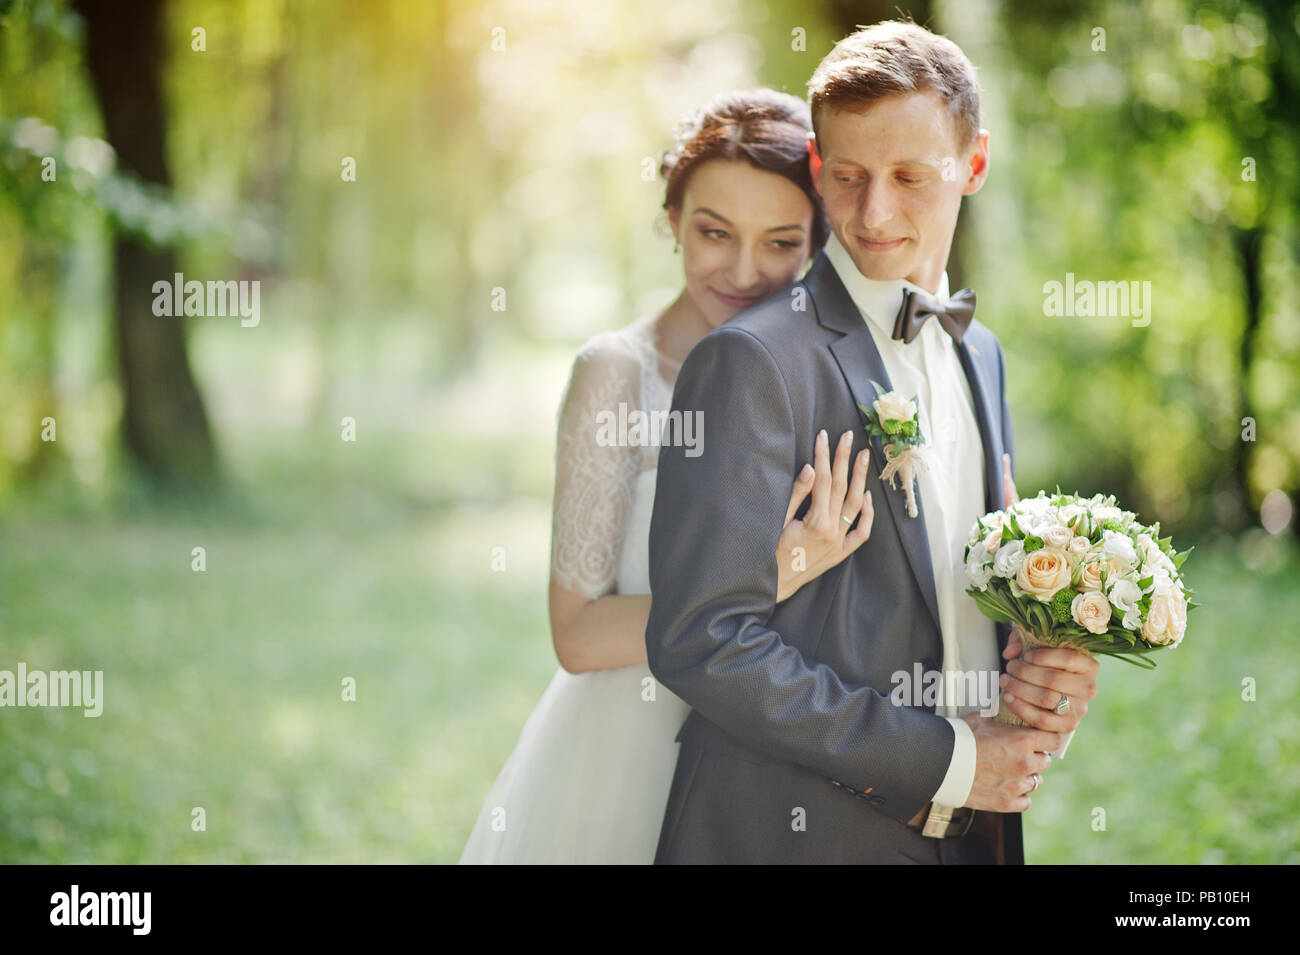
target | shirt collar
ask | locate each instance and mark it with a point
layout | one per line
(878, 300)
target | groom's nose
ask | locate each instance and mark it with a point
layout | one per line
(877, 206)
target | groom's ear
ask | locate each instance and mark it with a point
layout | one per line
(815, 163)
(979, 164)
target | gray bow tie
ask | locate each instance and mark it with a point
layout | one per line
(955, 317)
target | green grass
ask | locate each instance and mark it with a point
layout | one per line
(223, 688)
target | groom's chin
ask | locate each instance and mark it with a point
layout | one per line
(880, 266)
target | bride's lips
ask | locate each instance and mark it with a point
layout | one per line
(888, 245)
(735, 301)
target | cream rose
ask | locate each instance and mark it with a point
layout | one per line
(1043, 573)
(1057, 537)
(1166, 619)
(892, 406)
(1079, 546)
(1091, 611)
(993, 541)
(1090, 576)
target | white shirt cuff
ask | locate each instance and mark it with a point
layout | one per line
(955, 789)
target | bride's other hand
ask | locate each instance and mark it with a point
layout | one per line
(1009, 495)
(826, 534)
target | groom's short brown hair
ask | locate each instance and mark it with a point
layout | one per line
(894, 57)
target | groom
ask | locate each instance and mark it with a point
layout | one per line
(794, 750)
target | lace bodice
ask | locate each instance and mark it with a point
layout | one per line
(605, 463)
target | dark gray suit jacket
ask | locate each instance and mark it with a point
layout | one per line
(793, 751)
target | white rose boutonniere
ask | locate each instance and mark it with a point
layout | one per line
(893, 418)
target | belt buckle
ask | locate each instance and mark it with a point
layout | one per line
(940, 820)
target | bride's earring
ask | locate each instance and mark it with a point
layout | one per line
(676, 247)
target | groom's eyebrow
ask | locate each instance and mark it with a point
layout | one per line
(830, 161)
(725, 221)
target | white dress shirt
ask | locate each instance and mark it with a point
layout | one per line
(951, 491)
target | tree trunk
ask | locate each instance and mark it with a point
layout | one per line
(165, 427)
(1249, 244)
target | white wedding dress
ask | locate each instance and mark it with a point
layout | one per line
(588, 780)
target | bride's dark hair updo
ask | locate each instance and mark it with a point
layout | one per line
(767, 129)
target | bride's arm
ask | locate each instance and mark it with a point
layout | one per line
(609, 631)
(598, 634)
(592, 626)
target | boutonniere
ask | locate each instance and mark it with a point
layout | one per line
(894, 420)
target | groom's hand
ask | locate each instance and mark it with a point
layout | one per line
(1006, 759)
(1037, 679)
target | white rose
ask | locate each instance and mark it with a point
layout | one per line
(892, 406)
(1068, 514)
(1119, 546)
(1035, 508)
(1105, 512)
(1163, 561)
(1091, 611)
(1161, 582)
(1009, 558)
(1058, 537)
(1124, 596)
(979, 568)
(1079, 546)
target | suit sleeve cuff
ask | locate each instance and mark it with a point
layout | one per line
(955, 788)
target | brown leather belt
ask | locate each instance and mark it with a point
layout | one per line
(943, 822)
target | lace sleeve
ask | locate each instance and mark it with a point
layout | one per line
(594, 471)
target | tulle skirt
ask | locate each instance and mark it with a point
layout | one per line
(588, 780)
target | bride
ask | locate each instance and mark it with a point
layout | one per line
(588, 780)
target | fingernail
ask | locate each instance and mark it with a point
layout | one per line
(1008, 697)
(821, 435)
(1003, 680)
(806, 473)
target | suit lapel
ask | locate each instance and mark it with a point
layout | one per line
(984, 397)
(860, 362)
(991, 439)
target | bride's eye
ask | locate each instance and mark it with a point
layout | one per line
(785, 245)
(713, 233)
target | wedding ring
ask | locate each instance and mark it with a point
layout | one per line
(1038, 781)
(1064, 705)
(846, 519)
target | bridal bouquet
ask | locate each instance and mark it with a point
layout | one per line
(1081, 573)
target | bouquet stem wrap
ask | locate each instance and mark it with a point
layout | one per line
(1029, 641)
